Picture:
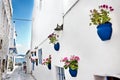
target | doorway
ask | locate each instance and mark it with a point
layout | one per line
(112, 78)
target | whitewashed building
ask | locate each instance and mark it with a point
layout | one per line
(98, 59)
(12, 48)
(5, 26)
(28, 61)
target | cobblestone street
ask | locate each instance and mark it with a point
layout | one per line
(18, 74)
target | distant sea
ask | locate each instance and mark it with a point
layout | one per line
(19, 60)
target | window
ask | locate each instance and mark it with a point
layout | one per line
(40, 4)
(112, 78)
(1, 44)
(36, 62)
(60, 73)
(97, 77)
(33, 65)
(32, 54)
(35, 53)
(40, 56)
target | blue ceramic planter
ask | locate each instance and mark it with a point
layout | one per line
(49, 66)
(73, 73)
(57, 46)
(104, 31)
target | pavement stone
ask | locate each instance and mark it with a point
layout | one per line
(18, 74)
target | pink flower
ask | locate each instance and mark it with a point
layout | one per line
(77, 58)
(73, 61)
(47, 59)
(111, 9)
(104, 6)
(65, 59)
(74, 58)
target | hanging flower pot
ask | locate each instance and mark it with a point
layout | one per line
(72, 64)
(104, 31)
(53, 38)
(49, 66)
(101, 18)
(57, 46)
(47, 62)
(73, 73)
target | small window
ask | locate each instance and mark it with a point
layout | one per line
(35, 53)
(1, 41)
(40, 56)
(33, 65)
(112, 78)
(1, 44)
(60, 73)
(40, 4)
(32, 53)
(36, 62)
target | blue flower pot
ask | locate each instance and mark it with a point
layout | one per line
(73, 73)
(104, 31)
(49, 66)
(57, 46)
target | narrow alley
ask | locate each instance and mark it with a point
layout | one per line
(59, 40)
(18, 74)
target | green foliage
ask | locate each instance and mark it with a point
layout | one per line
(71, 63)
(100, 16)
(53, 38)
(74, 65)
(47, 60)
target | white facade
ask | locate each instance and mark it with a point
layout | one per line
(12, 48)
(77, 38)
(28, 62)
(5, 25)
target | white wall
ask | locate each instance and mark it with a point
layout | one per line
(45, 21)
(78, 38)
(97, 57)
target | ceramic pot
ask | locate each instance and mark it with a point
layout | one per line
(104, 31)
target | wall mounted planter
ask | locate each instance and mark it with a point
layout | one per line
(105, 31)
(57, 46)
(73, 73)
(49, 66)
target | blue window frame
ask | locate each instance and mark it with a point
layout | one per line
(60, 73)
(40, 56)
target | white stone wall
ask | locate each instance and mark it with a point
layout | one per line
(5, 25)
(5, 14)
(78, 38)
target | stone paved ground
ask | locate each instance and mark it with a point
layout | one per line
(19, 74)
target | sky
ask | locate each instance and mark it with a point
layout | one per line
(22, 9)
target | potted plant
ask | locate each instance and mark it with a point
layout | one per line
(47, 62)
(72, 64)
(53, 39)
(102, 19)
